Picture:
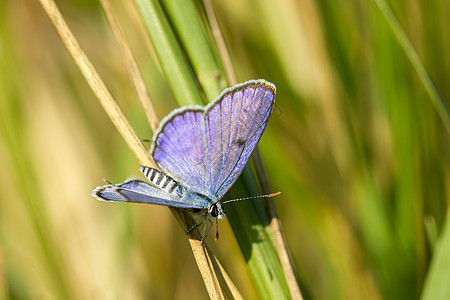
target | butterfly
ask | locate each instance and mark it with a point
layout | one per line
(200, 152)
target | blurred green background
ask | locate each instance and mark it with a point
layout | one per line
(355, 145)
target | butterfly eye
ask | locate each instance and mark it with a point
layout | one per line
(214, 211)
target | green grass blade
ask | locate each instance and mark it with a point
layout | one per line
(415, 61)
(189, 29)
(436, 284)
(250, 225)
(169, 53)
(247, 218)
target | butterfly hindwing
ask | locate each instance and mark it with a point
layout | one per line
(138, 191)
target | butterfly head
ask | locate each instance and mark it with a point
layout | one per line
(216, 210)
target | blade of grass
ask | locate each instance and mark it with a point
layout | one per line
(184, 87)
(192, 34)
(277, 229)
(133, 68)
(251, 228)
(230, 290)
(431, 231)
(275, 223)
(96, 84)
(169, 53)
(202, 257)
(220, 42)
(407, 47)
(264, 257)
(188, 28)
(436, 283)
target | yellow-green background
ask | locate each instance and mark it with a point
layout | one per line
(355, 146)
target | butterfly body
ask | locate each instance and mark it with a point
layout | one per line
(200, 152)
(186, 195)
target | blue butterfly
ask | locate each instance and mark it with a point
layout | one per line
(201, 151)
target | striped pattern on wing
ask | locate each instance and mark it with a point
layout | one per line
(207, 148)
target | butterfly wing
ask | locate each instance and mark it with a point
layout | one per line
(138, 191)
(179, 147)
(207, 148)
(234, 126)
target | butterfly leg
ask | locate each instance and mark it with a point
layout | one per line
(201, 220)
(204, 228)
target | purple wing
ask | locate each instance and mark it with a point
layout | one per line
(180, 146)
(207, 148)
(141, 192)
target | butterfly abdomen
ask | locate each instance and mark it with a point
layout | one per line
(163, 181)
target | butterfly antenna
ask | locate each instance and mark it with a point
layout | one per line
(253, 197)
(107, 181)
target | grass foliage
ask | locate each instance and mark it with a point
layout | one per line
(358, 145)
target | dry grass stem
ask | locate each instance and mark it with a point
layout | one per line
(275, 224)
(228, 287)
(220, 41)
(277, 229)
(202, 257)
(133, 68)
(96, 84)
